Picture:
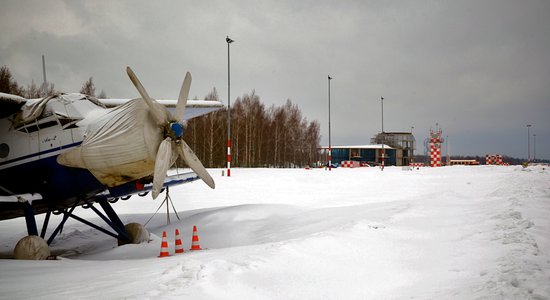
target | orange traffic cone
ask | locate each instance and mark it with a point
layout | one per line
(164, 246)
(195, 241)
(179, 245)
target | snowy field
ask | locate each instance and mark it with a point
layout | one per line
(435, 233)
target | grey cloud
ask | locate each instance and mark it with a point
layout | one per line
(479, 68)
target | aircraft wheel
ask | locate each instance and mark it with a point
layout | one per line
(31, 247)
(137, 232)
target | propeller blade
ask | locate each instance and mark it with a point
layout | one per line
(182, 99)
(158, 115)
(162, 163)
(195, 164)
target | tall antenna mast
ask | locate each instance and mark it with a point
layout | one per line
(45, 84)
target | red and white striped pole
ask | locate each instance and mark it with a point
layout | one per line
(229, 41)
(228, 157)
(329, 158)
(383, 157)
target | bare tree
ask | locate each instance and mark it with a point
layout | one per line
(50, 90)
(32, 91)
(88, 88)
(8, 83)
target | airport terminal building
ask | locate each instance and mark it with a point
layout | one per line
(398, 150)
(371, 154)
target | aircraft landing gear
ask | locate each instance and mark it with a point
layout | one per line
(31, 247)
(35, 247)
(137, 232)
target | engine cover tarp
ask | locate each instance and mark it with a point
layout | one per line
(119, 146)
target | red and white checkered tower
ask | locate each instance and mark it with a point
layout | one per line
(435, 148)
(493, 159)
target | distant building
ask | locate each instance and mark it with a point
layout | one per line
(371, 154)
(463, 162)
(403, 144)
(398, 148)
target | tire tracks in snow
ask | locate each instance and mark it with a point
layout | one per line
(519, 269)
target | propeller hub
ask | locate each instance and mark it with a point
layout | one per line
(176, 130)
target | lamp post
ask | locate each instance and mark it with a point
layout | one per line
(410, 145)
(329, 141)
(229, 41)
(528, 143)
(45, 84)
(534, 147)
(383, 136)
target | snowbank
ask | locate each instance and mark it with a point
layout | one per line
(452, 232)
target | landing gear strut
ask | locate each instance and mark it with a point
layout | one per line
(34, 246)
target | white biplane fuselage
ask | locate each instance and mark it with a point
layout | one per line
(30, 149)
(69, 150)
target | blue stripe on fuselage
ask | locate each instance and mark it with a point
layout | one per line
(40, 153)
(53, 181)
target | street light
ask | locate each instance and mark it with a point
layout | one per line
(383, 136)
(528, 143)
(534, 147)
(411, 146)
(329, 141)
(229, 41)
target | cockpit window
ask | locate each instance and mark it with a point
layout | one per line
(48, 124)
(37, 125)
(67, 123)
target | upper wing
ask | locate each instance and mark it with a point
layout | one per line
(193, 109)
(10, 104)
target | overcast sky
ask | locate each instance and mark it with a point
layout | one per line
(481, 69)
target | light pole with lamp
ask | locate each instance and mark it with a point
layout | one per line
(528, 143)
(383, 136)
(229, 41)
(534, 147)
(411, 147)
(329, 141)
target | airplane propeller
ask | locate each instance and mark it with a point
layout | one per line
(173, 144)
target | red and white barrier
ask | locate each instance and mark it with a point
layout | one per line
(494, 159)
(350, 164)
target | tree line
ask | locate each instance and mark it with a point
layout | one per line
(9, 85)
(276, 136)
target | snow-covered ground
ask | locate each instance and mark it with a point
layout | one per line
(435, 233)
